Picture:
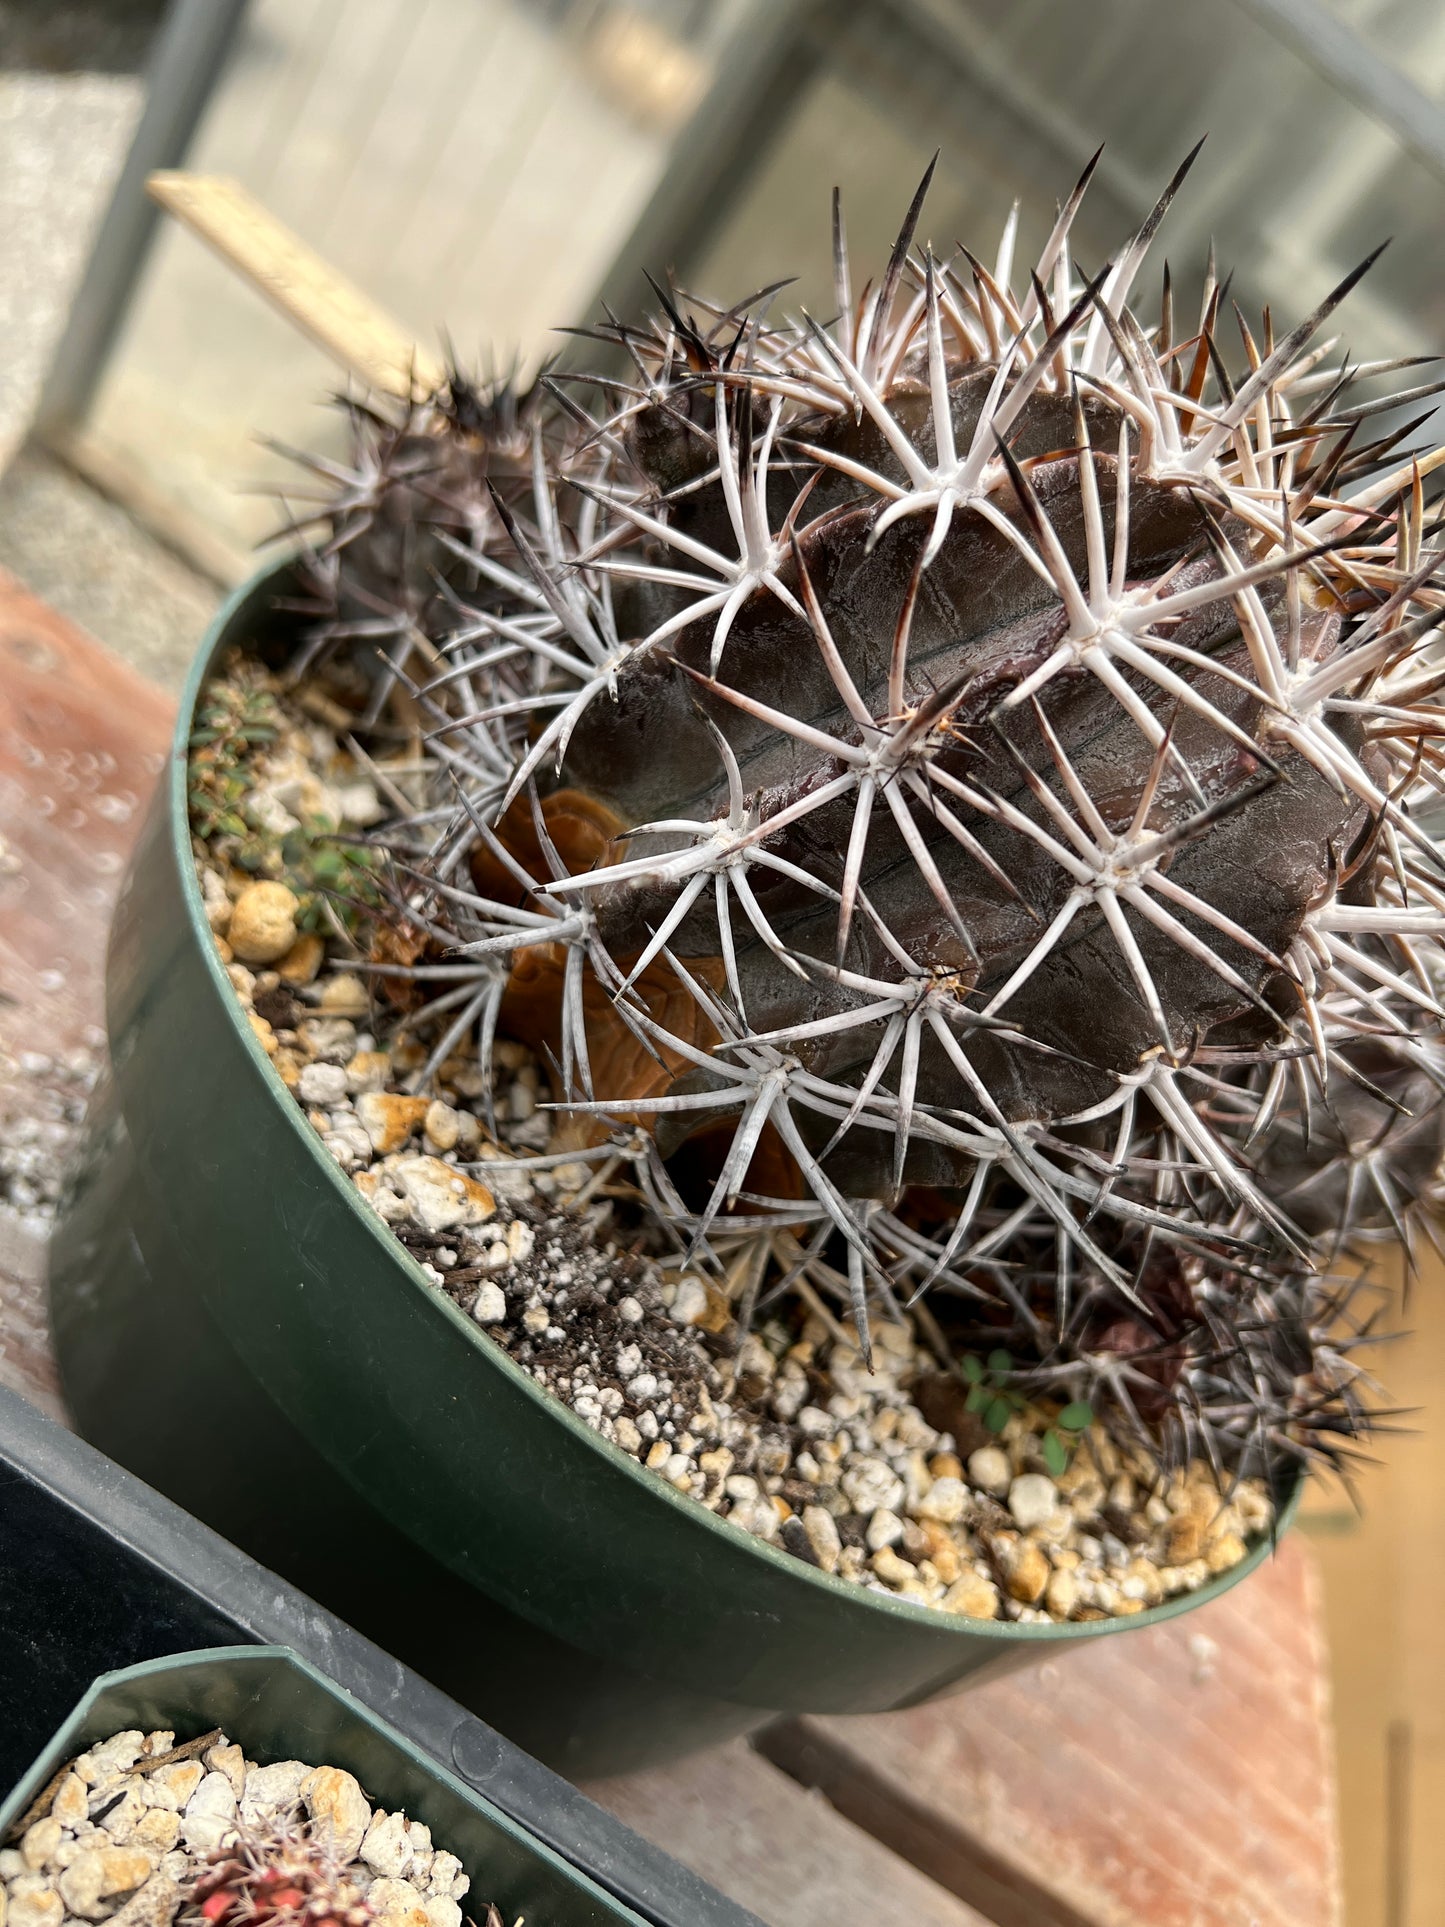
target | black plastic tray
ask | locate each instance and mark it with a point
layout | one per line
(98, 1572)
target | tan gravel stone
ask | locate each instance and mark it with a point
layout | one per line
(272, 1789)
(942, 1551)
(216, 898)
(398, 1903)
(422, 1853)
(1062, 1593)
(389, 1118)
(823, 1537)
(1142, 1580)
(43, 1908)
(172, 1786)
(441, 1197)
(265, 1036)
(40, 1843)
(1026, 1569)
(946, 1500)
(338, 1808)
(262, 928)
(368, 1071)
(95, 1877)
(70, 1806)
(1185, 1541)
(1178, 1579)
(1032, 1499)
(345, 995)
(446, 1878)
(990, 1471)
(1225, 1551)
(210, 1814)
(302, 961)
(157, 1828)
(892, 1570)
(386, 1848)
(122, 1816)
(442, 1126)
(973, 1596)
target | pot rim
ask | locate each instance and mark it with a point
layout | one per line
(1005, 1632)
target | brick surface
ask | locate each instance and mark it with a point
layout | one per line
(82, 741)
(1180, 1776)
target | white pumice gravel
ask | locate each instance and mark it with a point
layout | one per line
(137, 1831)
(42, 1105)
(786, 1433)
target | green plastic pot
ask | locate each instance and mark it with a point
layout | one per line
(236, 1326)
(276, 1707)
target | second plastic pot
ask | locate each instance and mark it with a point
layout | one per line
(98, 1572)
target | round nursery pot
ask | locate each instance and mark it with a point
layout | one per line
(237, 1326)
(277, 1707)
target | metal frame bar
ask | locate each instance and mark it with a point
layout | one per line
(190, 53)
(773, 54)
(1348, 62)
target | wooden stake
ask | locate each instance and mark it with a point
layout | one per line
(312, 295)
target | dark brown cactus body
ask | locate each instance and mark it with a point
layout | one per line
(983, 620)
(962, 785)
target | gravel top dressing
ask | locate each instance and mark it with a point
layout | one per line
(911, 1477)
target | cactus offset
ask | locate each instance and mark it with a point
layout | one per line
(952, 791)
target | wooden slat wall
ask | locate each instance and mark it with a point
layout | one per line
(1384, 1592)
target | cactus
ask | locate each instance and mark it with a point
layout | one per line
(285, 1873)
(950, 791)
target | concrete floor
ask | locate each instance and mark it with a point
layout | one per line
(69, 96)
(92, 563)
(62, 137)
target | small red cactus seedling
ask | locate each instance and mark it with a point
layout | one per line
(286, 1875)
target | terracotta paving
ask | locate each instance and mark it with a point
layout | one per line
(82, 741)
(1178, 1777)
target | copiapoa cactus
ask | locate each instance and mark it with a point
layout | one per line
(952, 790)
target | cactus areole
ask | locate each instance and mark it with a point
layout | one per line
(953, 784)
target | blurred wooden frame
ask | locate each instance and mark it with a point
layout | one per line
(319, 302)
(313, 296)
